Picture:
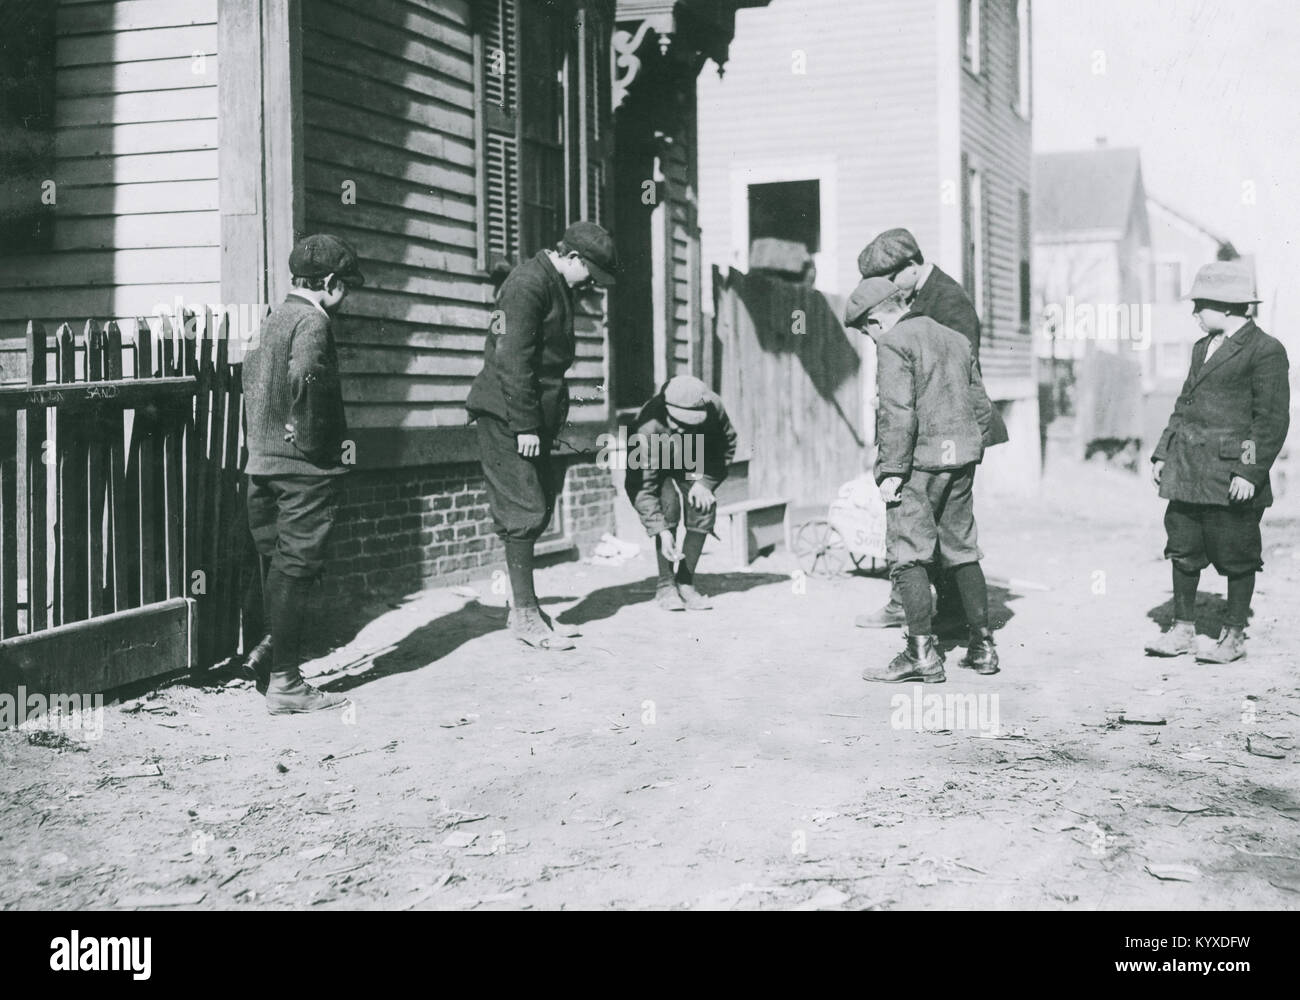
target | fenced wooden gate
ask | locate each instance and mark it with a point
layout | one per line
(122, 533)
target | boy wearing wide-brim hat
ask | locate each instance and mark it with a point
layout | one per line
(1212, 462)
(685, 442)
(520, 401)
(933, 424)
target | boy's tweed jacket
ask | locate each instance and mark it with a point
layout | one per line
(292, 377)
(934, 414)
(1231, 419)
(944, 300)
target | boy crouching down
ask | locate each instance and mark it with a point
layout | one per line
(679, 451)
(932, 426)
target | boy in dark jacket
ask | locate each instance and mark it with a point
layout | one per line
(680, 449)
(1212, 462)
(519, 402)
(295, 426)
(932, 427)
(929, 291)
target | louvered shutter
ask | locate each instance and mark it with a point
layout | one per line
(498, 27)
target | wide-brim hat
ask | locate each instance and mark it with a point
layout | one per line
(1229, 281)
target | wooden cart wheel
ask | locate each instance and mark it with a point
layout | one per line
(820, 549)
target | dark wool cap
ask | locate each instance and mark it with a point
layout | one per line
(887, 253)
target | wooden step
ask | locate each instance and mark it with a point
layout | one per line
(748, 527)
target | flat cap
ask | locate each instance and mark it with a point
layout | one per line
(687, 399)
(596, 246)
(322, 253)
(1225, 281)
(869, 294)
(887, 253)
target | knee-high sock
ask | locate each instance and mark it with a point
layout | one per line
(664, 564)
(1240, 590)
(691, 549)
(1185, 585)
(974, 593)
(913, 587)
(286, 612)
(519, 563)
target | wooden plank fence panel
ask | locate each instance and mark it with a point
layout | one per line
(71, 545)
(37, 488)
(147, 489)
(123, 528)
(96, 442)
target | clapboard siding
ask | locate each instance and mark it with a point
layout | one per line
(999, 142)
(388, 104)
(136, 219)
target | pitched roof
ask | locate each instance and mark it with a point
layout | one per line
(1085, 190)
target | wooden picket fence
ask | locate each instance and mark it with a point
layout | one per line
(129, 505)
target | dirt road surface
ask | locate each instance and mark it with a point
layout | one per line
(730, 759)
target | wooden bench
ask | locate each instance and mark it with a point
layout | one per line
(746, 527)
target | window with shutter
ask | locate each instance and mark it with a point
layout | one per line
(544, 83)
(498, 57)
(545, 122)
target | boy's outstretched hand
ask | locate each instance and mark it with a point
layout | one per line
(889, 487)
(668, 545)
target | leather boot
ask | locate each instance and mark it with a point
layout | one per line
(288, 694)
(921, 660)
(981, 655)
(1181, 638)
(891, 615)
(667, 597)
(257, 664)
(692, 599)
(1231, 646)
(560, 628)
(527, 625)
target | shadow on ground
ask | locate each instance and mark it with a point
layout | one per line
(608, 601)
(1210, 611)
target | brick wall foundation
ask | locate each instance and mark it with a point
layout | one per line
(401, 530)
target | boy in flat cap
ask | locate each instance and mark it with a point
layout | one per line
(679, 451)
(1212, 462)
(929, 291)
(933, 424)
(294, 428)
(519, 402)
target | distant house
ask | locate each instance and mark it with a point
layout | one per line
(182, 146)
(838, 119)
(1179, 246)
(1093, 278)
